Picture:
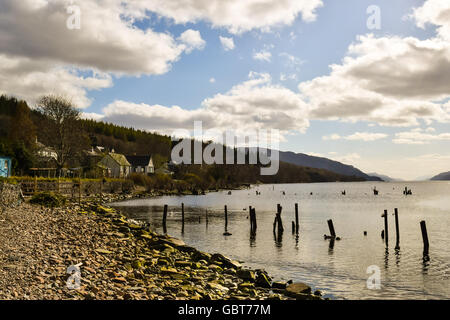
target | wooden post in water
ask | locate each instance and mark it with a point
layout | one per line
(254, 225)
(297, 227)
(226, 218)
(386, 226)
(182, 213)
(293, 227)
(207, 221)
(182, 217)
(426, 244)
(280, 221)
(331, 227)
(165, 218)
(275, 224)
(397, 230)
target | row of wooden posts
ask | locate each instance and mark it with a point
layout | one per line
(385, 233)
(278, 228)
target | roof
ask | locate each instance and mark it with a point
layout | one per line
(120, 159)
(139, 161)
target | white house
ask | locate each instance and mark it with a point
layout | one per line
(116, 165)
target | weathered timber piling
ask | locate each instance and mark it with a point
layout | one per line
(207, 220)
(293, 227)
(426, 245)
(253, 220)
(297, 226)
(165, 218)
(182, 214)
(275, 224)
(331, 227)
(397, 230)
(386, 235)
(226, 218)
(279, 220)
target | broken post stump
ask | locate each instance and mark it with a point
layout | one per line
(226, 218)
(386, 238)
(397, 230)
(331, 227)
(182, 213)
(165, 218)
(426, 244)
(254, 225)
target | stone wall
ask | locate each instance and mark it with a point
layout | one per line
(10, 195)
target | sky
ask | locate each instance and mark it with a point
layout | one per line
(363, 82)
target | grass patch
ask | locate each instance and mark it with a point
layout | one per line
(48, 199)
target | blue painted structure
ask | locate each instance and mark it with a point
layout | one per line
(5, 167)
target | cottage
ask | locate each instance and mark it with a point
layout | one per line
(141, 164)
(115, 165)
(5, 167)
(45, 153)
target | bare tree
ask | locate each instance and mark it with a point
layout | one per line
(61, 128)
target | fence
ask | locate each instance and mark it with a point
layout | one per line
(75, 188)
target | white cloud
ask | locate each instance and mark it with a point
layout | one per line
(227, 43)
(333, 136)
(357, 136)
(253, 104)
(236, 16)
(420, 137)
(292, 61)
(29, 79)
(262, 56)
(212, 80)
(40, 55)
(286, 77)
(366, 136)
(435, 12)
(193, 40)
(107, 40)
(92, 116)
(390, 80)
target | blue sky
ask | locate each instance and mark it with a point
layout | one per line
(119, 71)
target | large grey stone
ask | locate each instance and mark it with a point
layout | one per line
(296, 289)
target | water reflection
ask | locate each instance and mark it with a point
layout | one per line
(331, 246)
(336, 271)
(386, 258)
(397, 257)
(252, 238)
(278, 238)
(425, 263)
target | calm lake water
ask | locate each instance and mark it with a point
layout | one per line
(339, 271)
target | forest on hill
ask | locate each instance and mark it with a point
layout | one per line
(21, 127)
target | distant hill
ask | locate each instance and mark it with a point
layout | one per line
(441, 176)
(305, 160)
(383, 177)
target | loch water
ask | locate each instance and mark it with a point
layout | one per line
(340, 269)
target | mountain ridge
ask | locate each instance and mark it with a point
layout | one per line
(443, 176)
(306, 160)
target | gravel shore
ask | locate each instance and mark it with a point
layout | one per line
(117, 259)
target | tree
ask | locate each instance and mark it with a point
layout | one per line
(61, 129)
(22, 127)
